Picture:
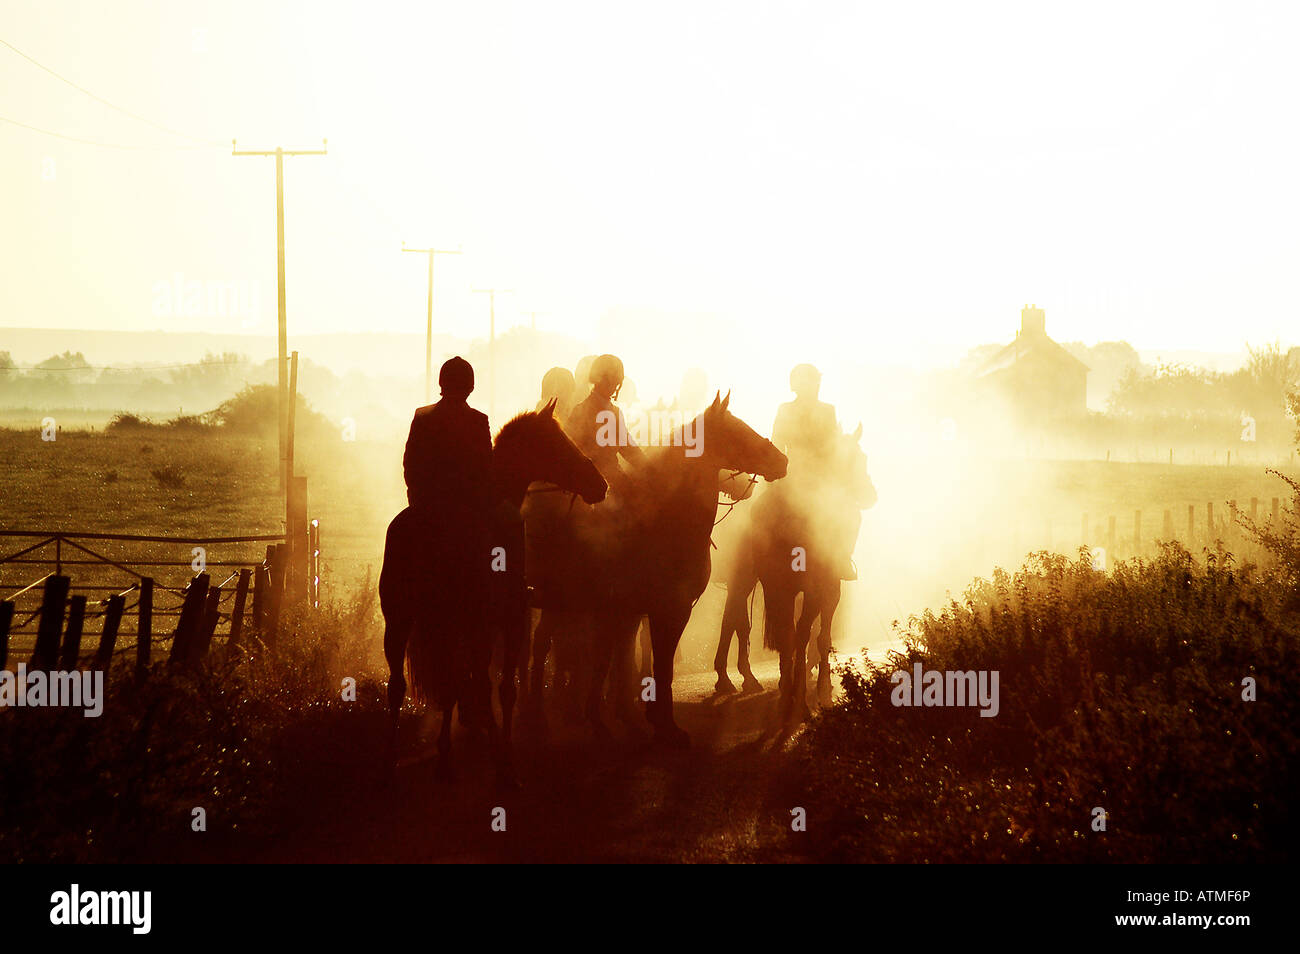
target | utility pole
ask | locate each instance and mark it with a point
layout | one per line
(428, 337)
(283, 363)
(492, 343)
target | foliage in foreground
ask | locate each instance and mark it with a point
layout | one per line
(227, 737)
(1121, 691)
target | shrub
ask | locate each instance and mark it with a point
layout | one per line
(1121, 691)
(125, 421)
(250, 738)
(168, 476)
(255, 410)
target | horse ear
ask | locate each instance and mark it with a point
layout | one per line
(549, 410)
(717, 399)
(857, 435)
(726, 400)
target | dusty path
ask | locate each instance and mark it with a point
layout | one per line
(581, 801)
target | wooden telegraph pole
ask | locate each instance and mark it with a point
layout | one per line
(283, 364)
(492, 344)
(428, 336)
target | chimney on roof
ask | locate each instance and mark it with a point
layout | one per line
(1033, 321)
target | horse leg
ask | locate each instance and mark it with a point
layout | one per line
(825, 685)
(751, 683)
(603, 637)
(799, 668)
(731, 625)
(396, 634)
(625, 681)
(537, 681)
(442, 768)
(666, 627)
(516, 632)
(778, 625)
(740, 588)
(647, 656)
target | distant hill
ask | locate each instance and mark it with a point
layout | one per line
(401, 355)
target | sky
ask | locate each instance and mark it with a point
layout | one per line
(891, 181)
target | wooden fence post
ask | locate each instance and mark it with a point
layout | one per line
(1169, 525)
(298, 556)
(207, 626)
(237, 613)
(313, 546)
(144, 631)
(6, 620)
(1254, 509)
(262, 595)
(46, 651)
(108, 637)
(279, 558)
(1209, 521)
(1191, 522)
(72, 638)
(1137, 529)
(191, 618)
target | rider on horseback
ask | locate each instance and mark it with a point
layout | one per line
(448, 469)
(597, 426)
(806, 431)
(448, 458)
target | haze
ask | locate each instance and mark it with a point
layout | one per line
(1127, 167)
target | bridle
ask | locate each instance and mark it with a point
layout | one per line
(731, 504)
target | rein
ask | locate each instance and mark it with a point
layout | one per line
(555, 489)
(730, 505)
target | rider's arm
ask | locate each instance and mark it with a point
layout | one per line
(480, 461)
(414, 466)
(781, 428)
(629, 449)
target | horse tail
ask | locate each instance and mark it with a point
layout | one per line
(769, 628)
(397, 601)
(394, 594)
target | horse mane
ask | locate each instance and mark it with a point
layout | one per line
(671, 453)
(514, 428)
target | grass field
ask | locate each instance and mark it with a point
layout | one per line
(938, 524)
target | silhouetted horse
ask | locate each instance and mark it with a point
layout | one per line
(440, 618)
(788, 545)
(649, 554)
(568, 634)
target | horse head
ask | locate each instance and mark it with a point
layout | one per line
(534, 447)
(730, 444)
(853, 470)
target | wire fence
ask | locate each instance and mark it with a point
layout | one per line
(118, 579)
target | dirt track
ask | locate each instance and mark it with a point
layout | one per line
(581, 801)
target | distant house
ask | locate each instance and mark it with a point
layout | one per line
(1034, 376)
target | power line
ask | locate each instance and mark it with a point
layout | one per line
(286, 452)
(93, 142)
(428, 337)
(142, 367)
(492, 342)
(99, 99)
